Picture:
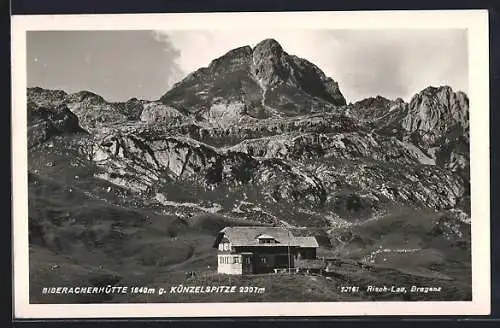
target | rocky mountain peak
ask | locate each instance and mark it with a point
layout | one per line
(268, 47)
(269, 63)
(433, 90)
(373, 101)
(434, 111)
(232, 60)
(274, 67)
(444, 97)
(371, 108)
(264, 81)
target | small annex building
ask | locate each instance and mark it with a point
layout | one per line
(248, 250)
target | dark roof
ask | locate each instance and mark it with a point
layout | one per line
(247, 236)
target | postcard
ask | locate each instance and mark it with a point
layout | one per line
(251, 164)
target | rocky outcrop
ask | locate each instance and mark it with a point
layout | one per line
(280, 176)
(435, 112)
(219, 134)
(178, 158)
(132, 108)
(352, 145)
(370, 109)
(46, 98)
(156, 113)
(45, 122)
(96, 115)
(273, 68)
(438, 120)
(227, 79)
(92, 110)
(435, 123)
(265, 79)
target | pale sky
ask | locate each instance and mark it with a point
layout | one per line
(119, 65)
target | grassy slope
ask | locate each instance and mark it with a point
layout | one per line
(415, 243)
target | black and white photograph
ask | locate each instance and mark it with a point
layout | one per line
(233, 164)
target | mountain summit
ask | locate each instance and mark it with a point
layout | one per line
(259, 82)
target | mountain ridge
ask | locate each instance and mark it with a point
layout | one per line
(296, 144)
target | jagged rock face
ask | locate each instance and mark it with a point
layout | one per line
(285, 157)
(434, 112)
(389, 123)
(86, 98)
(312, 182)
(380, 114)
(159, 114)
(269, 63)
(178, 158)
(454, 154)
(353, 145)
(43, 123)
(273, 67)
(436, 122)
(92, 110)
(393, 171)
(172, 157)
(46, 98)
(225, 115)
(265, 79)
(227, 79)
(221, 134)
(95, 114)
(132, 108)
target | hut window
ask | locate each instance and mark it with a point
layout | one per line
(221, 247)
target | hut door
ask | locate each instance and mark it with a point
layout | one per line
(247, 265)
